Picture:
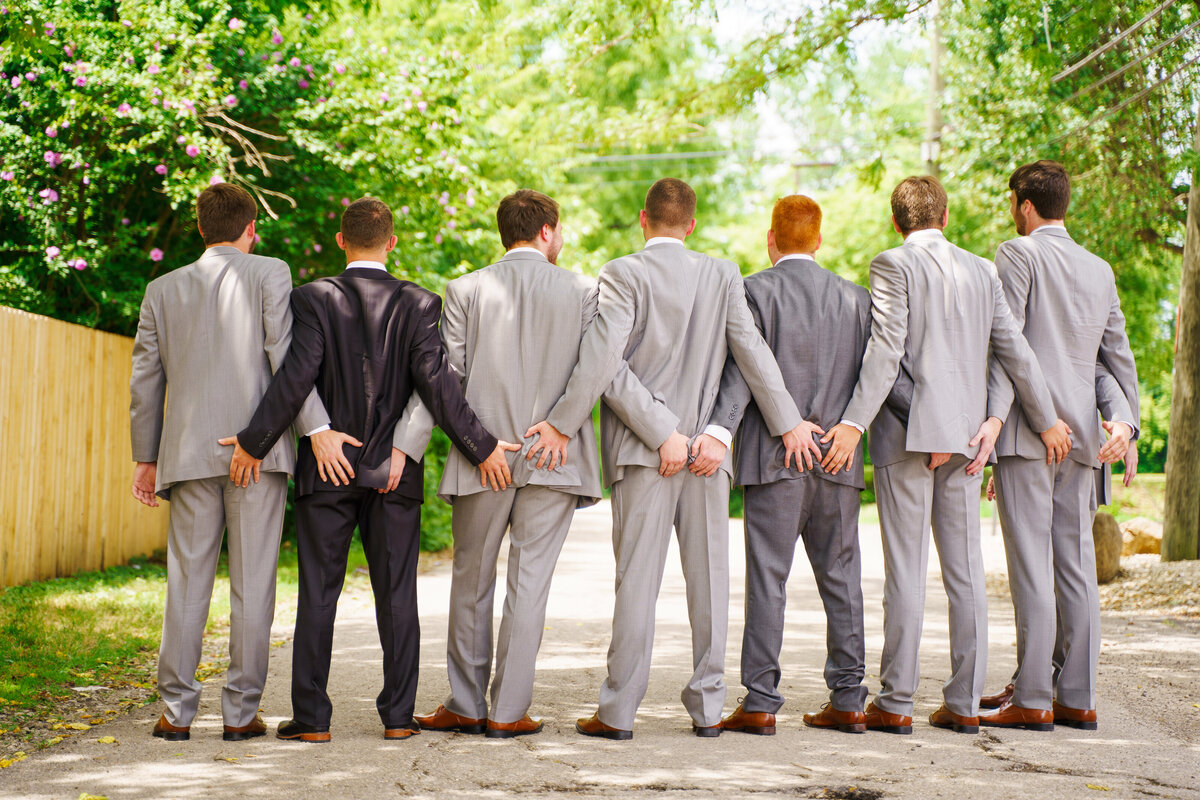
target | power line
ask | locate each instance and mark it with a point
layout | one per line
(1133, 64)
(1120, 37)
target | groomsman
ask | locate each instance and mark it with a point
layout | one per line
(512, 331)
(672, 314)
(817, 325)
(1065, 300)
(367, 341)
(214, 332)
(935, 309)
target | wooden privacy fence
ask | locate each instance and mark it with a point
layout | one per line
(65, 463)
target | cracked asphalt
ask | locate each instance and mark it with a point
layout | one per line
(1148, 744)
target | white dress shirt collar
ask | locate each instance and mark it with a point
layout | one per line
(795, 257)
(663, 240)
(925, 235)
(526, 251)
(366, 265)
(1052, 228)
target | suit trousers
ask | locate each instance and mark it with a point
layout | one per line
(1076, 594)
(537, 520)
(912, 499)
(390, 528)
(201, 510)
(645, 506)
(825, 516)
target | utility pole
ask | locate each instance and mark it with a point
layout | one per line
(931, 148)
(1181, 525)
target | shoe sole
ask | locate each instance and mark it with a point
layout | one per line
(470, 730)
(1078, 724)
(319, 737)
(404, 733)
(757, 730)
(616, 736)
(902, 730)
(858, 727)
(496, 733)
(707, 733)
(952, 726)
(173, 736)
(1030, 726)
(241, 736)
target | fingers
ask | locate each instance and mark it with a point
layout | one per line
(827, 438)
(321, 470)
(817, 429)
(346, 468)
(482, 476)
(531, 432)
(227, 440)
(348, 439)
(255, 470)
(695, 448)
(975, 442)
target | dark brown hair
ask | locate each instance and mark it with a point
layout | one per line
(1046, 184)
(522, 215)
(671, 204)
(918, 202)
(223, 211)
(796, 220)
(367, 224)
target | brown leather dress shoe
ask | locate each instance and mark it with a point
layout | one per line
(446, 720)
(759, 723)
(997, 700)
(945, 718)
(1082, 718)
(844, 721)
(707, 731)
(525, 726)
(876, 719)
(305, 733)
(1010, 716)
(165, 730)
(403, 732)
(257, 727)
(592, 726)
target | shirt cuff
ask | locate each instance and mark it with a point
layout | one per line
(722, 435)
(854, 425)
(317, 430)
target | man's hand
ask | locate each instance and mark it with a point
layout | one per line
(707, 454)
(672, 454)
(800, 443)
(495, 470)
(985, 440)
(1131, 464)
(991, 489)
(1058, 442)
(936, 460)
(845, 440)
(144, 473)
(332, 465)
(395, 470)
(551, 446)
(243, 466)
(1119, 435)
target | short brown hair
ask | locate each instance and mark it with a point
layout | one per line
(367, 223)
(919, 201)
(521, 216)
(1046, 184)
(670, 203)
(796, 221)
(223, 212)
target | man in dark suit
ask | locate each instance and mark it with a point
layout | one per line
(367, 341)
(817, 325)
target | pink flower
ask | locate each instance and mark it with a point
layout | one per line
(303, 84)
(16, 81)
(7, 176)
(180, 139)
(52, 251)
(276, 37)
(236, 24)
(86, 180)
(404, 210)
(48, 196)
(52, 131)
(81, 81)
(127, 24)
(230, 100)
(125, 220)
(31, 76)
(161, 169)
(188, 104)
(437, 239)
(49, 28)
(52, 158)
(317, 247)
(340, 69)
(384, 97)
(302, 272)
(345, 201)
(192, 150)
(421, 106)
(214, 180)
(242, 84)
(123, 110)
(293, 62)
(156, 255)
(78, 263)
(153, 69)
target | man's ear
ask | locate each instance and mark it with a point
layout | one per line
(391, 245)
(341, 240)
(547, 233)
(250, 229)
(770, 237)
(691, 227)
(897, 227)
(642, 220)
(820, 239)
(946, 217)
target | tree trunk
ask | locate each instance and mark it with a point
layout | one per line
(931, 148)
(1181, 527)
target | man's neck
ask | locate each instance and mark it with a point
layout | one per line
(378, 256)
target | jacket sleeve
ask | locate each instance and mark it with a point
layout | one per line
(277, 329)
(1112, 400)
(293, 382)
(757, 363)
(885, 348)
(734, 394)
(147, 387)
(1117, 357)
(1016, 277)
(1016, 357)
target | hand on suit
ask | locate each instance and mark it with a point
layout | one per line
(1119, 434)
(801, 441)
(985, 440)
(243, 466)
(672, 454)
(495, 470)
(332, 465)
(144, 473)
(551, 446)
(395, 470)
(845, 440)
(937, 459)
(1058, 442)
(991, 488)
(707, 453)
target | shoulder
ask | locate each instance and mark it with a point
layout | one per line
(892, 260)
(419, 296)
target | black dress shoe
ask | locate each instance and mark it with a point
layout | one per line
(305, 733)
(707, 732)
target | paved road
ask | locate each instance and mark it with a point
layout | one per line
(1148, 744)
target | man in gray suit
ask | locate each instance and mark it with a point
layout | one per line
(935, 309)
(1065, 300)
(672, 315)
(512, 330)
(214, 332)
(817, 325)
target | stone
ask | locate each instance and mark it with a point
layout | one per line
(1141, 535)
(1107, 536)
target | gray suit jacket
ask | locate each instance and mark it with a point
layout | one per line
(214, 332)
(512, 330)
(935, 308)
(1065, 300)
(817, 325)
(672, 314)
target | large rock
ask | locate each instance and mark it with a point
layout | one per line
(1141, 535)
(1107, 536)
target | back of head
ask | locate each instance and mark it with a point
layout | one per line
(796, 221)
(367, 224)
(919, 202)
(1046, 184)
(522, 215)
(670, 205)
(223, 211)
